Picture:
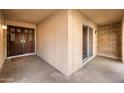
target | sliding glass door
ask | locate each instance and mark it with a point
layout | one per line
(87, 42)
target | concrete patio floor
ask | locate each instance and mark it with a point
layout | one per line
(32, 69)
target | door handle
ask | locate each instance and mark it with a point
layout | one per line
(23, 41)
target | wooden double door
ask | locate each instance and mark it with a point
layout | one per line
(20, 40)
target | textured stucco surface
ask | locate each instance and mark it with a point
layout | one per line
(52, 40)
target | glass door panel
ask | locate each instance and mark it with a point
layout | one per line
(87, 42)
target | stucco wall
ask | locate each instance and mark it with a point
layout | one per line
(59, 40)
(18, 23)
(52, 40)
(2, 41)
(75, 32)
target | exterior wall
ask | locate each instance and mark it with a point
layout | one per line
(2, 41)
(52, 40)
(21, 24)
(18, 23)
(109, 40)
(75, 22)
(59, 40)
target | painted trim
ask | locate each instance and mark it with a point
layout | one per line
(113, 57)
(21, 55)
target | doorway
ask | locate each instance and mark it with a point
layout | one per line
(20, 40)
(87, 42)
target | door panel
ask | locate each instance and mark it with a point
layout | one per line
(20, 40)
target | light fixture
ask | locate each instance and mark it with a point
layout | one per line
(4, 27)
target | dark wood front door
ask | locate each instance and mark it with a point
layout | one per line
(20, 40)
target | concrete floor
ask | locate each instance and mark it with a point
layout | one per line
(33, 69)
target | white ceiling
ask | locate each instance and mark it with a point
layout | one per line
(33, 16)
(103, 16)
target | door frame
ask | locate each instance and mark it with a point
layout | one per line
(89, 57)
(27, 54)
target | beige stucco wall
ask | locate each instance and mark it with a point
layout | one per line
(2, 41)
(59, 40)
(18, 23)
(52, 40)
(75, 22)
